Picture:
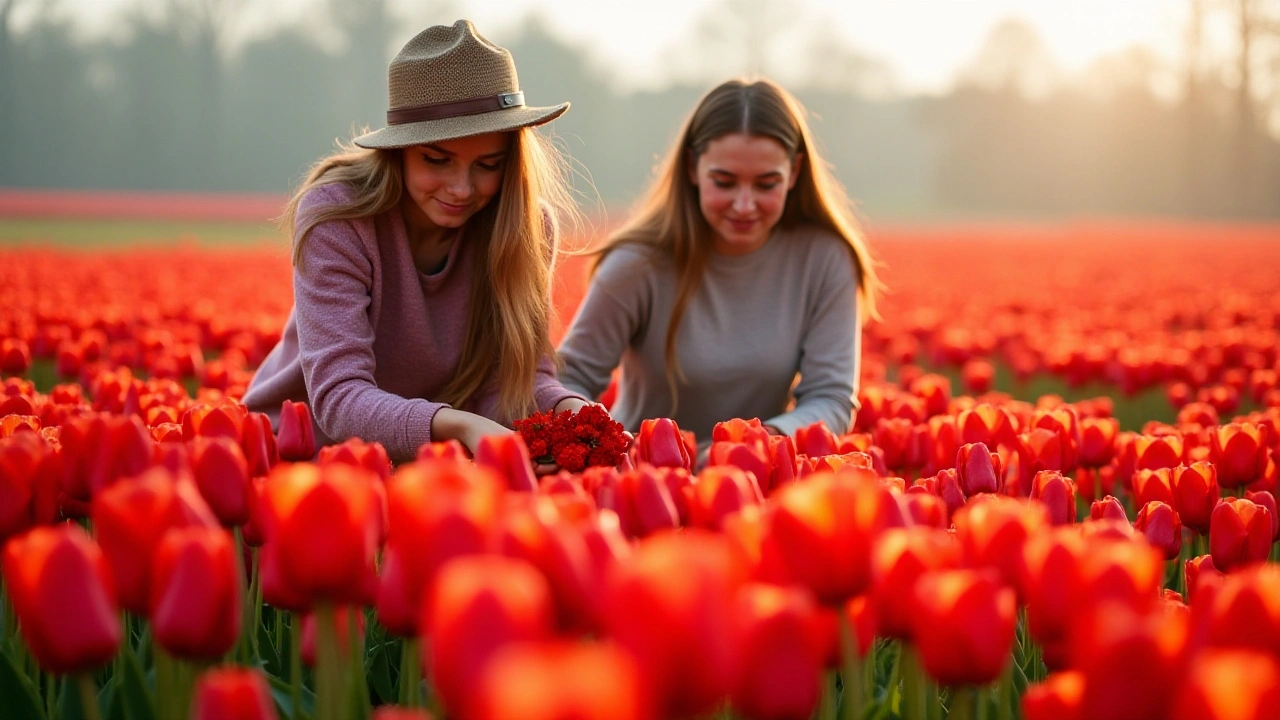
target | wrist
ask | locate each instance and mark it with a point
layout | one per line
(572, 404)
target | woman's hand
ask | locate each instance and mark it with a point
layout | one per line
(467, 428)
(572, 404)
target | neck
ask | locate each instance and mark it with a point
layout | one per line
(419, 228)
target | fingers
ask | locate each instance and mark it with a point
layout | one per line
(541, 469)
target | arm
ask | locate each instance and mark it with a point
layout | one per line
(614, 312)
(332, 285)
(829, 353)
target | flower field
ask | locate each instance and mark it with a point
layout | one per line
(1058, 501)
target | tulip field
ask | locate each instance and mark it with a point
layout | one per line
(1057, 501)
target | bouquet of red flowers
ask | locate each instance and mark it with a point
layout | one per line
(574, 441)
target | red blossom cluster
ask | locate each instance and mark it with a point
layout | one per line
(574, 441)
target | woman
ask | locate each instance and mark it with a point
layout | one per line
(422, 261)
(743, 268)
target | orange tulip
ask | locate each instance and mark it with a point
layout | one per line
(742, 431)
(1152, 452)
(1239, 533)
(553, 681)
(1064, 421)
(1195, 494)
(779, 666)
(721, 491)
(480, 604)
(1264, 498)
(1153, 486)
(964, 623)
(665, 606)
(224, 419)
(899, 559)
(987, 424)
(62, 595)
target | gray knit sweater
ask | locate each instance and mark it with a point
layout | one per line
(756, 321)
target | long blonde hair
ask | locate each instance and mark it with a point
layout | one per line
(669, 217)
(514, 236)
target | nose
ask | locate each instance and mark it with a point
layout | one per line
(459, 186)
(744, 201)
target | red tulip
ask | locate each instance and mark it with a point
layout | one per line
(1064, 421)
(935, 391)
(129, 520)
(819, 546)
(721, 491)
(977, 469)
(437, 510)
(993, 531)
(964, 625)
(552, 681)
(507, 456)
(1239, 451)
(296, 439)
(1039, 449)
(478, 605)
(779, 666)
(899, 559)
(816, 440)
(1153, 486)
(449, 450)
(660, 444)
(231, 693)
(62, 595)
(1049, 580)
(738, 430)
(224, 419)
(195, 593)
(1059, 697)
(1162, 528)
(1195, 494)
(323, 527)
(222, 475)
(924, 509)
(259, 444)
(97, 450)
(944, 441)
(752, 457)
(1245, 611)
(1239, 533)
(1152, 452)
(1200, 570)
(666, 607)
(1108, 507)
(355, 452)
(987, 424)
(1265, 499)
(1229, 685)
(1057, 494)
(1116, 640)
(645, 503)
(30, 477)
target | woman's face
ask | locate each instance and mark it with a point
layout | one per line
(742, 183)
(448, 182)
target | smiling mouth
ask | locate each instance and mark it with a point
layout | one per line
(450, 207)
(741, 224)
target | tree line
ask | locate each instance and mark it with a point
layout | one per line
(167, 107)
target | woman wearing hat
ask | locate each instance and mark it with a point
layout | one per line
(743, 268)
(423, 259)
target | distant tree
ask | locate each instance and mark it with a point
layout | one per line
(831, 64)
(1013, 58)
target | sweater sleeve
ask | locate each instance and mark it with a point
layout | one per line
(830, 350)
(613, 312)
(332, 286)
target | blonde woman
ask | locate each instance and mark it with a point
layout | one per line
(742, 269)
(423, 259)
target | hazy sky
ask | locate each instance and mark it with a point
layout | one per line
(925, 41)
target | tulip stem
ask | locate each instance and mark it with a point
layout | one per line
(1005, 692)
(410, 675)
(827, 708)
(913, 684)
(89, 696)
(246, 613)
(359, 685)
(329, 675)
(963, 700)
(295, 664)
(853, 703)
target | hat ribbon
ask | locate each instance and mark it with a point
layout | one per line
(440, 111)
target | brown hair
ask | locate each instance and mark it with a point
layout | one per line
(515, 237)
(669, 217)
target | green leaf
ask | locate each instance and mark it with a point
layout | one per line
(282, 693)
(131, 693)
(70, 704)
(21, 701)
(268, 653)
(378, 670)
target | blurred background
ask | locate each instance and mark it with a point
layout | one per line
(927, 109)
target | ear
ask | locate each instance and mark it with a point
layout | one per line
(797, 164)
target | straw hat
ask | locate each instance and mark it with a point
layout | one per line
(449, 82)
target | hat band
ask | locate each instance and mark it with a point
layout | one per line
(440, 111)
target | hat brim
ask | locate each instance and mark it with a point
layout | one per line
(429, 131)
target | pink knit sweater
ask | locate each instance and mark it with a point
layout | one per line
(371, 339)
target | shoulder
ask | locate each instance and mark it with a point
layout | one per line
(326, 195)
(820, 249)
(629, 258)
